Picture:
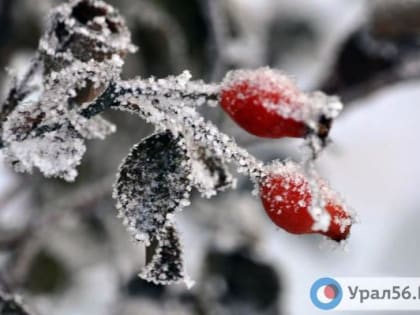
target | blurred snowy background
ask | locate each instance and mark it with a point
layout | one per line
(63, 249)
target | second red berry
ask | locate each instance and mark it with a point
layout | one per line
(287, 197)
(265, 103)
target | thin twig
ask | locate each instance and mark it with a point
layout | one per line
(19, 91)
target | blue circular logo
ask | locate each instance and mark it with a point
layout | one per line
(326, 293)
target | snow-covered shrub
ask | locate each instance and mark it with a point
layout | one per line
(45, 123)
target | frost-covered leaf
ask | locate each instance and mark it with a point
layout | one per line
(153, 182)
(55, 153)
(166, 265)
(210, 174)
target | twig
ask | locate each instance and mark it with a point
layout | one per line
(18, 92)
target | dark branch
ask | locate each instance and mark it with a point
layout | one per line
(18, 92)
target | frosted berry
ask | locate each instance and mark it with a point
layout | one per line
(286, 197)
(341, 219)
(265, 103)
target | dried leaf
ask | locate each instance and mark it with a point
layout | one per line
(166, 265)
(153, 182)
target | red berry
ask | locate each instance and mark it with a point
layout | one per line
(341, 219)
(265, 103)
(340, 224)
(286, 197)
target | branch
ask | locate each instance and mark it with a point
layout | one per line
(17, 93)
(148, 99)
(196, 92)
(180, 113)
